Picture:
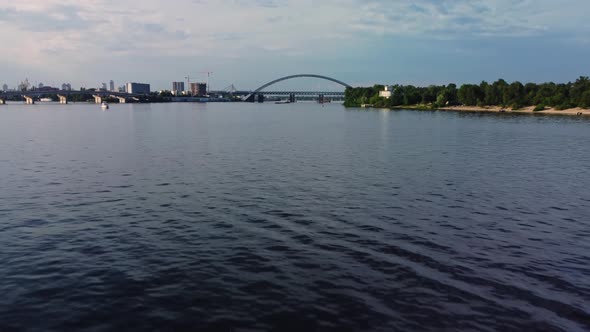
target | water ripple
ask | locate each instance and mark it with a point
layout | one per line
(258, 218)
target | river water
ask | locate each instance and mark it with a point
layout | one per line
(248, 217)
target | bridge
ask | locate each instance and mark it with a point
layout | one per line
(63, 95)
(259, 93)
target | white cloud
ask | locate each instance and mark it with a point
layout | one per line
(473, 18)
(66, 35)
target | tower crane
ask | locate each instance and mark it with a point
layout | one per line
(188, 79)
(208, 77)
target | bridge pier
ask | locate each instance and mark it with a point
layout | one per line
(261, 98)
(29, 100)
(122, 100)
(292, 98)
(321, 99)
(97, 99)
(62, 99)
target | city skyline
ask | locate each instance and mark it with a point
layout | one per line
(248, 43)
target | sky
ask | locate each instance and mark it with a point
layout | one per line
(250, 42)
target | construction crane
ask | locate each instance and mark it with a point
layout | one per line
(208, 76)
(188, 82)
(188, 79)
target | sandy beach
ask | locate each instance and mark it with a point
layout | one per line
(572, 111)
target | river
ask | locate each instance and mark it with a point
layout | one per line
(298, 217)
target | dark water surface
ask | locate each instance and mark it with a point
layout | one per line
(240, 217)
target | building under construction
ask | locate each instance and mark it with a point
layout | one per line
(198, 89)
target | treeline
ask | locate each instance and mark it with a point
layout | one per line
(500, 93)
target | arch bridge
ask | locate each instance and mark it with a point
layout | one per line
(251, 97)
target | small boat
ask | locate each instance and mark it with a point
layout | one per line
(104, 106)
(283, 102)
(45, 100)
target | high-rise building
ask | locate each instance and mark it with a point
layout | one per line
(41, 85)
(177, 88)
(24, 86)
(199, 89)
(104, 87)
(140, 88)
(5, 88)
(112, 85)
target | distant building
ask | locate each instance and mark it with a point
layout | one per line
(386, 93)
(5, 88)
(112, 85)
(177, 88)
(103, 87)
(66, 87)
(47, 88)
(41, 85)
(199, 89)
(140, 88)
(24, 86)
(122, 88)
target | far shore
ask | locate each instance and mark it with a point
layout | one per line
(497, 109)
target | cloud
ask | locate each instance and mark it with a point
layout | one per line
(269, 23)
(471, 18)
(61, 18)
(72, 34)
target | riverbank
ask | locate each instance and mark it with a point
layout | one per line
(496, 109)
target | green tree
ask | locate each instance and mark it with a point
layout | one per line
(430, 93)
(585, 100)
(397, 96)
(412, 95)
(514, 95)
(530, 90)
(469, 94)
(578, 89)
(544, 94)
(447, 96)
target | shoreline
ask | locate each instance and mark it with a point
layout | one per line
(497, 109)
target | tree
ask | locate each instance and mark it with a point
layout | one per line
(514, 95)
(578, 89)
(429, 94)
(530, 90)
(397, 96)
(452, 94)
(500, 93)
(490, 96)
(469, 94)
(585, 99)
(544, 94)
(447, 96)
(412, 95)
